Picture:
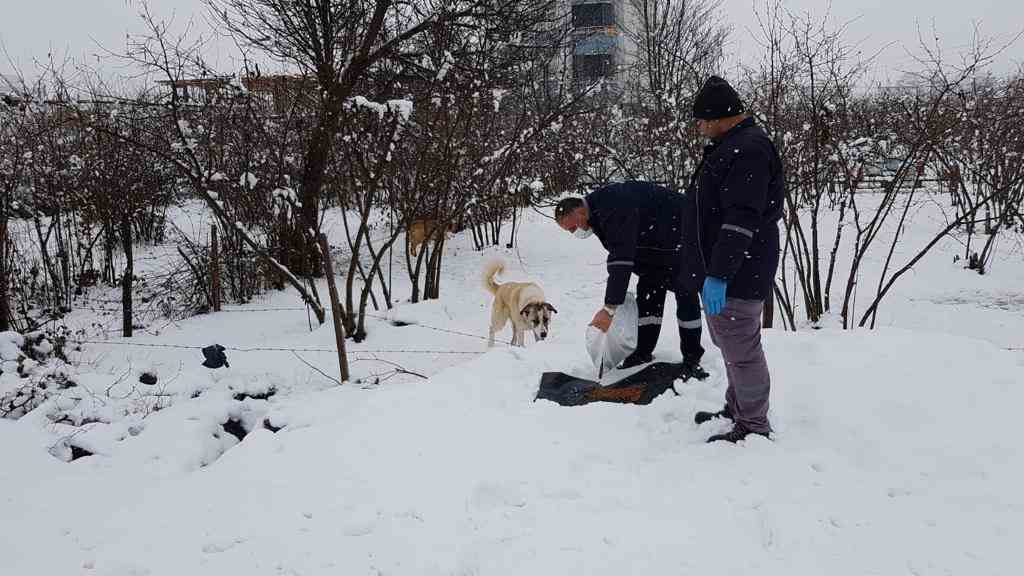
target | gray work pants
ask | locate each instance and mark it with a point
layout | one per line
(737, 332)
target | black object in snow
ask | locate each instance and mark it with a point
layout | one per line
(215, 357)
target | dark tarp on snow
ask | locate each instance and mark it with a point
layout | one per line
(639, 388)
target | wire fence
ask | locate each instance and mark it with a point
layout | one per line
(386, 319)
(354, 355)
(303, 309)
(272, 348)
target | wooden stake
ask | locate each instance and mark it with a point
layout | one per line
(5, 307)
(127, 277)
(214, 269)
(336, 309)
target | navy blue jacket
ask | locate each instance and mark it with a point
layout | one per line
(638, 223)
(732, 208)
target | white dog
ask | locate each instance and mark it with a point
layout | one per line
(521, 302)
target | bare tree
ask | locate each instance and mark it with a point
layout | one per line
(191, 141)
(118, 183)
(14, 145)
(980, 156)
(677, 45)
(803, 90)
(485, 109)
(941, 79)
(338, 43)
(831, 135)
(368, 147)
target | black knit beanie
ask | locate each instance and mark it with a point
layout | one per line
(716, 99)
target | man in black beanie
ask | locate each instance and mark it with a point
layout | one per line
(731, 248)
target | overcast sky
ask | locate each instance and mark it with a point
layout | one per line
(892, 25)
(30, 29)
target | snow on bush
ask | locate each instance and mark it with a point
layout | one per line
(176, 422)
(257, 388)
(10, 346)
(188, 434)
(180, 426)
(33, 370)
(248, 181)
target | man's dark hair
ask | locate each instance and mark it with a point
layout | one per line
(566, 206)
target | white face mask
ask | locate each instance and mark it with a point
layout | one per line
(583, 234)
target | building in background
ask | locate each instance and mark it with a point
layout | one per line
(15, 90)
(276, 93)
(602, 47)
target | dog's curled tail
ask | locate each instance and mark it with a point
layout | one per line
(492, 269)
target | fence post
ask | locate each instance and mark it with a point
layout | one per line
(127, 320)
(214, 269)
(336, 310)
(5, 308)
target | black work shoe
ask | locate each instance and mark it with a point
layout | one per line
(737, 433)
(693, 370)
(702, 417)
(635, 360)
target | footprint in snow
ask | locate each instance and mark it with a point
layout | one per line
(490, 496)
(123, 569)
(359, 529)
(563, 494)
(218, 546)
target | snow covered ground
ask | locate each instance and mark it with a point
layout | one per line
(896, 451)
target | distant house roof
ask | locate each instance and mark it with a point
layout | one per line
(15, 89)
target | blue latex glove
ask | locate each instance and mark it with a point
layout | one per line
(713, 295)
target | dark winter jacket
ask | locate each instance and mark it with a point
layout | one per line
(730, 228)
(638, 223)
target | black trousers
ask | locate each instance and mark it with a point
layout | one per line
(650, 300)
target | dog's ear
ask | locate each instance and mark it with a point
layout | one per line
(525, 312)
(550, 307)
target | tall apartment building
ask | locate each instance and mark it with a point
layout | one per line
(602, 46)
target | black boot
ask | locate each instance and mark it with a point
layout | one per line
(635, 359)
(702, 417)
(737, 433)
(693, 370)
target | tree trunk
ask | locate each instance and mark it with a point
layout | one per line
(414, 271)
(126, 279)
(317, 154)
(214, 269)
(284, 249)
(108, 253)
(787, 307)
(353, 267)
(5, 304)
(478, 237)
(819, 308)
(380, 274)
(512, 236)
(987, 250)
(437, 267)
(376, 267)
(851, 284)
(827, 299)
(44, 250)
(432, 285)
(336, 310)
(64, 262)
(768, 314)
